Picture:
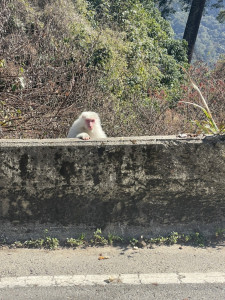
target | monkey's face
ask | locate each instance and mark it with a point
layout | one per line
(90, 123)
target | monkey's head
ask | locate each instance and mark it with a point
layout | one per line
(90, 119)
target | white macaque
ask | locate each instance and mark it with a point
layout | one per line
(87, 126)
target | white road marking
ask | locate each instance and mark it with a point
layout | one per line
(133, 279)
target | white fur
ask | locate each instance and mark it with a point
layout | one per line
(80, 130)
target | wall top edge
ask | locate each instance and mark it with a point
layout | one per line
(132, 140)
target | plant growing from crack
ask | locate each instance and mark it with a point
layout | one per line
(45, 242)
(98, 238)
(114, 238)
(71, 242)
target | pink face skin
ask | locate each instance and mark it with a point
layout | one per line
(90, 123)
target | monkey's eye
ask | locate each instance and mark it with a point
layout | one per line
(90, 121)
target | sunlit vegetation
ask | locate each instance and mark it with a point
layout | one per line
(118, 58)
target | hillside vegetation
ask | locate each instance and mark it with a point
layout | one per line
(119, 58)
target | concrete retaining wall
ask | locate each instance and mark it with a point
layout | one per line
(153, 184)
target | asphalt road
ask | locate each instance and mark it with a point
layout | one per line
(160, 273)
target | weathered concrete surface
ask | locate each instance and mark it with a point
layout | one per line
(152, 183)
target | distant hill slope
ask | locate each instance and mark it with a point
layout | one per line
(210, 44)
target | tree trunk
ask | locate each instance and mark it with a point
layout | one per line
(192, 26)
